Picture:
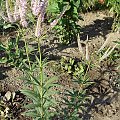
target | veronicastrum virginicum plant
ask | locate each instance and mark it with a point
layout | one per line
(42, 90)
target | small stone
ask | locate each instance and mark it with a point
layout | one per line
(8, 95)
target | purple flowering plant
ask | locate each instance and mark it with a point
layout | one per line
(40, 95)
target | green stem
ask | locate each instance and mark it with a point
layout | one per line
(27, 53)
(17, 40)
(28, 59)
(41, 79)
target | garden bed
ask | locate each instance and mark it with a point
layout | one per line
(104, 97)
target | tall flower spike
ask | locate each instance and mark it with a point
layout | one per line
(38, 7)
(43, 6)
(87, 49)
(16, 11)
(38, 27)
(35, 6)
(9, 14)
(22, 11)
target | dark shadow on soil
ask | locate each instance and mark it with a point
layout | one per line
(98, 28)
(9, 30)
(100, 94)
(2, 72)
(103, 92)
(2, 76)
(98, 102)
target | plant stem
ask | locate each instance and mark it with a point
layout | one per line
(41, 78)
(28, 59)
(17, 40)
(27, 53)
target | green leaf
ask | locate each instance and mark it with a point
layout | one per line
(66, 66)
(49, 102)
(51, 80)
(31, 113)
(50, 93)
(31, 94)
(25, 65)
(52, 85)
(3, 60)
(38, 61)
(28, 81)
(116, 42)
(8, 26)
(75, 11)
(34, 80)
(2, 47)
(32, 105)
(53, 8)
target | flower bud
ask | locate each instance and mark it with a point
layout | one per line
(38, 27)
(54, 23)
(24, 23)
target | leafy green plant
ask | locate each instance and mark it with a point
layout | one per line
(67, 65)
(72, 67)
(11, 53)
(74, 104)
(88, 5)
(67, 28)
(114, 6)
(74, 98)
(41, 96)
(42, 90)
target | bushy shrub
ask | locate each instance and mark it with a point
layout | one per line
(67, 28)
